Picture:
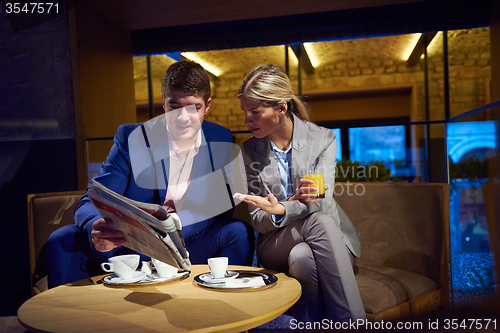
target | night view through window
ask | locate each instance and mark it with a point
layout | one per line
(379, 144)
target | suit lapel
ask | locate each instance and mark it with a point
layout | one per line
(202, 165)
(301, 148)
(158, 139)
(266, 161)
(156, 131)
(266, 165)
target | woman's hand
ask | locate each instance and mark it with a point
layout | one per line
(304, 192)
(105, 237)
(268, 204)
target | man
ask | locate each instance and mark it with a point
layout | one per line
(171, 160)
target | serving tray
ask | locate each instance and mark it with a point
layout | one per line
(246, 280)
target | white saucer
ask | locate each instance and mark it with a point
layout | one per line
(208, 278)
(113, 279)
(155, 278)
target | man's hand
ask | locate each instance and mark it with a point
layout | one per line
(104, 237)
(269, 204)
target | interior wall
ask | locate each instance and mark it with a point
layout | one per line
(361, 104)
(37, 136)
(495, 49)
(104, 87)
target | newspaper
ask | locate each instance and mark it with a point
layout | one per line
(147, 228)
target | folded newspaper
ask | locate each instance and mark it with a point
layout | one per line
(147, 228)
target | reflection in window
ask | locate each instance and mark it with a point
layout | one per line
(385, 144)
(471, 139)
(470, 146)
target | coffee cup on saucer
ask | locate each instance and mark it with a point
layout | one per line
(218, 266)
(123, 266)
(164, 270)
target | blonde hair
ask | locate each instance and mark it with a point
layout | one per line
(270, 85)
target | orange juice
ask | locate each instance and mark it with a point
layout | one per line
(319, 183)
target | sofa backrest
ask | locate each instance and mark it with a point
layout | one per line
(46, 213)
(401, 225)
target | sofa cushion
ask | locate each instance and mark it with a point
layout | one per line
(382, 288)
(400, 225)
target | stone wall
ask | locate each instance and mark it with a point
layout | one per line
(225, 108)
(469, 77)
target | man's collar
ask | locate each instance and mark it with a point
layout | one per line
(174, 149)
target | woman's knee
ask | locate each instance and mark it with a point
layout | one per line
(320, 224)
(301, 263)
(322, 218)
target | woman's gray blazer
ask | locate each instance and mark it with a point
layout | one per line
(309, 141)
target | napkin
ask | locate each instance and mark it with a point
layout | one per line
(247, 282)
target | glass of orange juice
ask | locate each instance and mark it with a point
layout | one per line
(316, 175)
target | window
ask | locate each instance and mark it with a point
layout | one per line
(385, 144)
(471, 139)
(339, 143)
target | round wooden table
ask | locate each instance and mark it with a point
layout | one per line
(183, 305)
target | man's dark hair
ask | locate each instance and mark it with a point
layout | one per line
(187, 76)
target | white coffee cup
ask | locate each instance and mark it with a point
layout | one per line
(123, 266)
(164, 270)
(218, 266)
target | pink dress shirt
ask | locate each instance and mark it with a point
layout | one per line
(180, 171)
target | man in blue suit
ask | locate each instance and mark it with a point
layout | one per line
(174, 160)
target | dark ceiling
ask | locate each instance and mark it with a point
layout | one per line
(384, 20)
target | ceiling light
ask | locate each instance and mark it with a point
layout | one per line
(292, 59)
(420, 48)
(313, 56)
(412, 43)
(433, 45)
(208, 66)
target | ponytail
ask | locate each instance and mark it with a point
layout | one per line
(299, 108)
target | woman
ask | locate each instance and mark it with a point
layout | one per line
(310, 238)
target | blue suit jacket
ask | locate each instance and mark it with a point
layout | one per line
(117, 173)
